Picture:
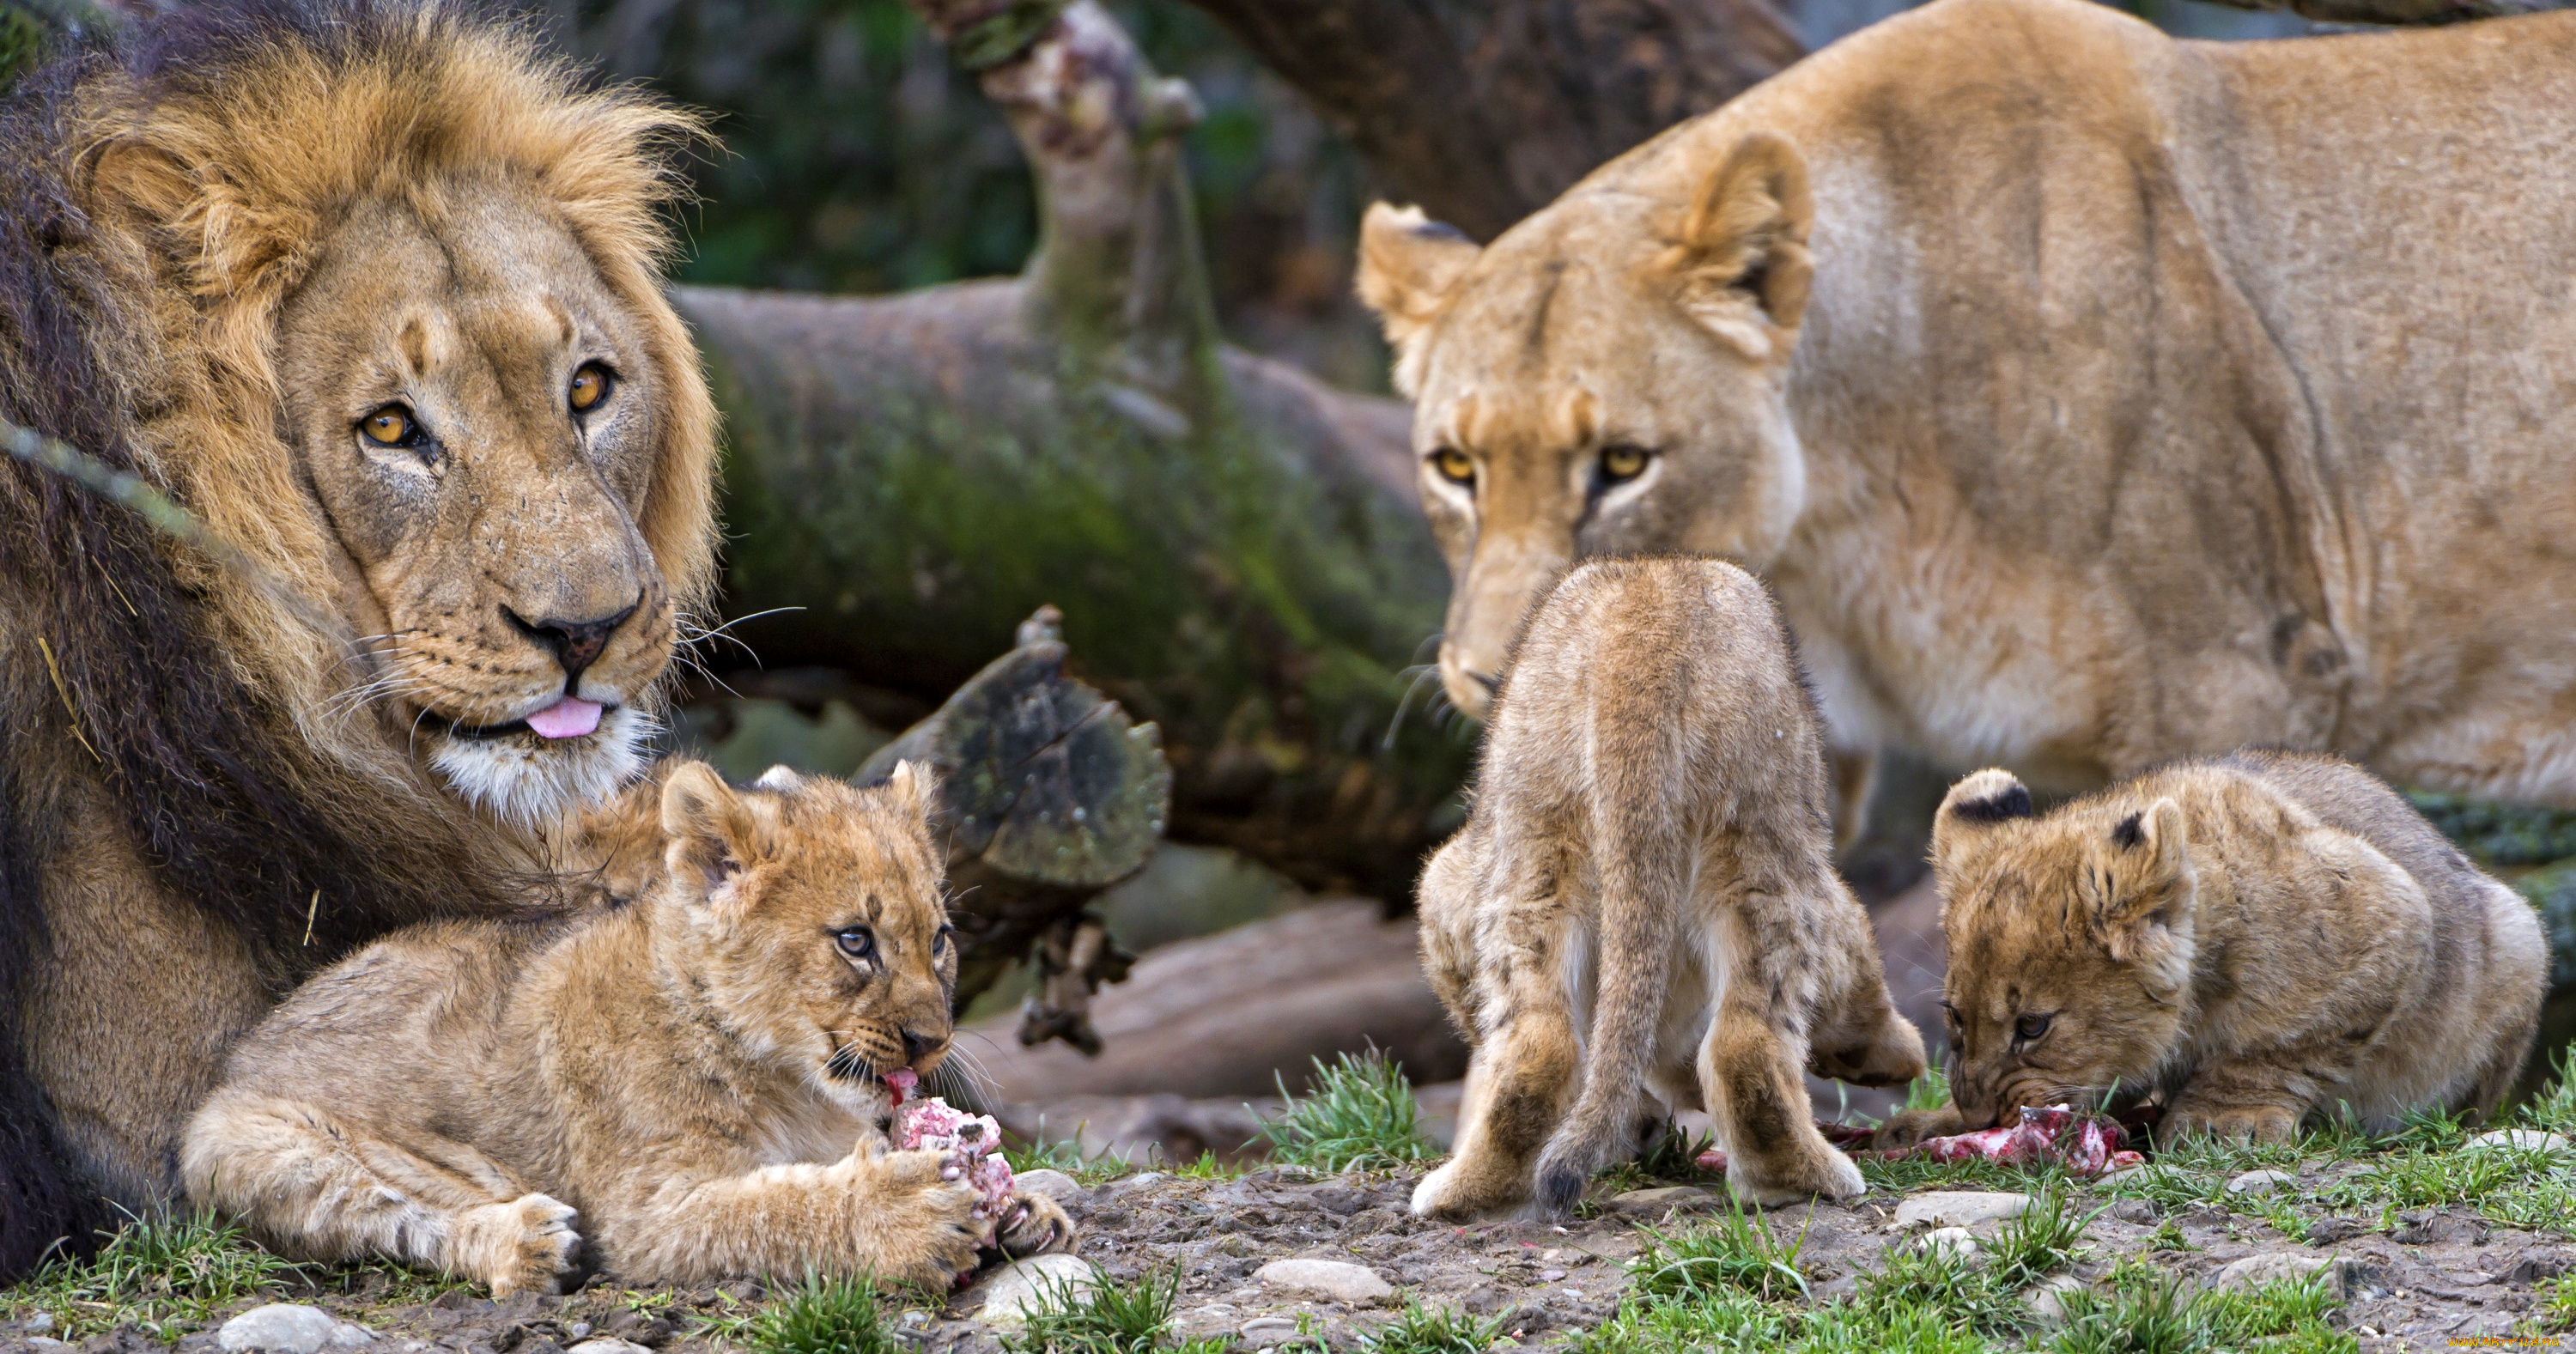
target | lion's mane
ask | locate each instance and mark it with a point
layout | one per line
(165, 189)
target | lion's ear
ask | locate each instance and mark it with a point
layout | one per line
(1744, 240)
(709, 830)
(2143, 892)
(1410, 265)
(1965, 825)
(915, 788)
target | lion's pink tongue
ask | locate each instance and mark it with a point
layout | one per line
(900, 1083)
(570, 717)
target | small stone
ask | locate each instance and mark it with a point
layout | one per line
(2135, 1212)
(350, 1335)
(1954, 1242)
(1264, 1332)
(46, 1344)
(2526, 1139)
(1550, 1275)
(279, 1327)
(608, 1345)
(1959, 1208)
(1335, 1280)
(1199, 1323)
(2254, 1271)
(1055, 1185)
(2048, 1299)
(2333, 1231)
(1661, 1201)
(577, 1329)
(1016, 1290)
(38, 1324)
(2262, 1182)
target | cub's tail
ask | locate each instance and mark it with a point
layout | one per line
(1643, 859)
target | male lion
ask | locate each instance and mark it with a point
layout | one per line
(695, 1079)
(1646, 892)
(2089, 398)
(2258, 940)
(373, 291)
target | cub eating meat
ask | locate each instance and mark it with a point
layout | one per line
(693, 1079)
(1645, 893)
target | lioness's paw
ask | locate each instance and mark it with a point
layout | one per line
(527, 1243)
(1033, 1225)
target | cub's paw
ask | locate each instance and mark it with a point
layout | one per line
(1908, 1128)
(1819, 1171)
(2258, 1123)
(527, 1243)
(922, 1229)
(1461, 1191)
(1034, 1224)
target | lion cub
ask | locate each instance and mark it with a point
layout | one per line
(693, 1077)
(2256, 940)
(1646, 891)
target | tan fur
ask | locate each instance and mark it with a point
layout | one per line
(689, 1081)
(2259, 941)
(294, 239)
(1651, 826)
(2089, 398)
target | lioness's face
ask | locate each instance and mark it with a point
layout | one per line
(2070, 940)
(475, 410)
(823, 938)
(1584, 388)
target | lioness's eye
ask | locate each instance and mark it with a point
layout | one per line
(858, 942)
(1454, 465)
(590, 385)
(1621, 462)
(939, 942)
(391, 426)
(2030, 1027)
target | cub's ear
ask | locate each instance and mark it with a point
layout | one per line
(2139, 885)
(1738, 263)
(1964, 827)
(915, 788)
(708, 829)
(1410, 265)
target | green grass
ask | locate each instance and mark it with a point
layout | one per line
(165, 1276)
(1431, 1330)
(822, 1316)
(1107, 1318)
(2147, 1312)
(1359, 1113)
(1065, 1156)
(1734, 1253)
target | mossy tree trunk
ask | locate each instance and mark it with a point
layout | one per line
(1235, 549)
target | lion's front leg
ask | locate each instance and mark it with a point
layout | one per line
(1034, 1224)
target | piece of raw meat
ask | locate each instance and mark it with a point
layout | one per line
(2084, 1145)
(973, 1141)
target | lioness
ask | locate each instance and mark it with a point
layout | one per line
(694, 1078)
(1646, 890)
(2256, 940)
(2089, 398)
(373, 289)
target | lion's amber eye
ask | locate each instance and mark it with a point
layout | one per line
(391, 426)
(2030, 1027)
(1623, 462)
(590, 385)
(1454, 465)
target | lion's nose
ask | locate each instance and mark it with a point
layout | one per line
(575, 644)
(917, 1045)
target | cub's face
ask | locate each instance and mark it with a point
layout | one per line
(817, 909)
(1608, 378)
(480, 415)
(2070, 943)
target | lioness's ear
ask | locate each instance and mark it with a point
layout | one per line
(1965, 825)
(2143, 892)
(1409, 267)
(915, 788)
(1744, 239)
(707, 827)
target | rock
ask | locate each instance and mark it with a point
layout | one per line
(1264, 1332)
(2527, 1139)
(290, 1328)
(1339, 1200)
(1016, 1290)
(1055, 1185)
(1657, 1202)
(2262, 1182)
(608, 1345)
(2047, 1298)
(38, 1324)
(635, 1327)
(46, 1344)
(1334, 1280)
(1199, 1323)
(1954, 1242)
(2332, 1231)
(1958, 1208)
(2135, 1212)
(2254, 1271)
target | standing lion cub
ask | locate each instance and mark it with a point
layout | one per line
(691, 1080)
(2256, 940)
(1646, 892)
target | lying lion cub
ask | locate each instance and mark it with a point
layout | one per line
(696, 1074)
(2257, 940)
(1651, 824)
